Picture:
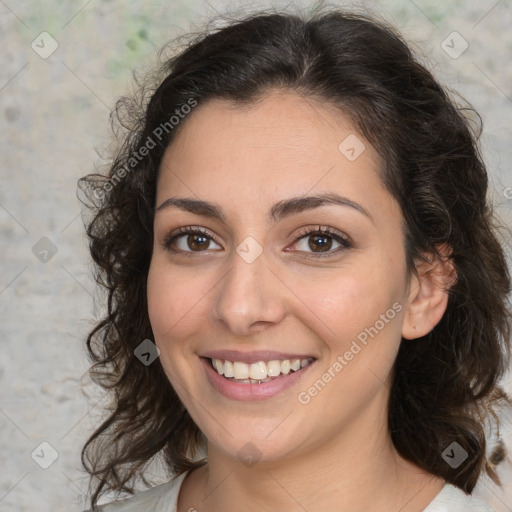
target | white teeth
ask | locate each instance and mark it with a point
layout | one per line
(260, 371)
(228, 368)
(219, 366)
(240, 370)
(273, 368)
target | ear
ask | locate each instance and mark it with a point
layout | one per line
(427, 297)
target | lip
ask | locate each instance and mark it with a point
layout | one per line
(251, 392)
(253, 357)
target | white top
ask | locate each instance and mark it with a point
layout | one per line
(164, 498)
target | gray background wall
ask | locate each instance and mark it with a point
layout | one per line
(54, 118)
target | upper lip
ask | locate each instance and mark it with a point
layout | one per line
(252, 357)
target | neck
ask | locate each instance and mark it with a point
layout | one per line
(358, 469)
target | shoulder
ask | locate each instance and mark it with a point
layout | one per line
(453, 499)
(163, 498)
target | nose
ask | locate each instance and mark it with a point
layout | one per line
(250, 297)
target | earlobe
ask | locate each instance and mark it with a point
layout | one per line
(428, 293)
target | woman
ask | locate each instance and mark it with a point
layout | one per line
(307, 297)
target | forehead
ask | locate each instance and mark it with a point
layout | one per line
(284, 144)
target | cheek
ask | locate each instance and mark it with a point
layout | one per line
(168, 305)
(176, 301)
(172, 296)
(347, 303)
(357, 317)
(160, 301)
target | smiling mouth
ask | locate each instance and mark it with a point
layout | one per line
(259, 372)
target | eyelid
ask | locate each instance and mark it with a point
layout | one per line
(322, 230)
(187, 230)
(344, 241)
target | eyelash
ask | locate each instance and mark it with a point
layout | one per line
(344, 242)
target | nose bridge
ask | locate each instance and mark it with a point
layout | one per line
(246, 295)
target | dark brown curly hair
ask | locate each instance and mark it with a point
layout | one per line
(445, 383)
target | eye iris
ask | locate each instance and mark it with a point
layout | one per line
(192, 242)
(324, 245)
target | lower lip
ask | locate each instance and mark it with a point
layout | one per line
(239, 391)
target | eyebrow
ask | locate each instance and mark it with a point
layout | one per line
(279, 210)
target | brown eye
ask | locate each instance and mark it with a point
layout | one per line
(198, 242)
(189, 240)
(322, 242)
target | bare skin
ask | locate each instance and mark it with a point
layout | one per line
(331, 452)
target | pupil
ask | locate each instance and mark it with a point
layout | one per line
(324, 246)
(192, 242)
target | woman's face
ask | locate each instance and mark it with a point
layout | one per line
(276, 276)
